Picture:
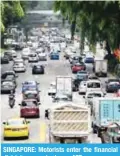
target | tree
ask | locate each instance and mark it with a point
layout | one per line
(96, 20)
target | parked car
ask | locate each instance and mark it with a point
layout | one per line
(11, 54)
(16, 128)
(78, 67)
(10, 78)
(19, 67)
(31, 94)
(29, 108)
(7, 87)
(4, 60)
(6, 73)
(38, 69)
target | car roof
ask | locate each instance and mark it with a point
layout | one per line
(94, 81)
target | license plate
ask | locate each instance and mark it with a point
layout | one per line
(15, 129)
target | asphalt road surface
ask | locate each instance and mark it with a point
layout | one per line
(39, 132)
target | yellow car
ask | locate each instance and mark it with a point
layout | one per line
(16, 128)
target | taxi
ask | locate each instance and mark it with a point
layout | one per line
(16, 128)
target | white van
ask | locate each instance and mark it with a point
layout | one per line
(93, 85)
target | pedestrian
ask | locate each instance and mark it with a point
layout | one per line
(46, 114)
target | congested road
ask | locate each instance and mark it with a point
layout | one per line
(39, 132)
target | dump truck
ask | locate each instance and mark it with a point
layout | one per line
(105, 112)
(100, 67)
(64, 85)
(69, 123)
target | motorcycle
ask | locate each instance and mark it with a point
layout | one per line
(11, 101)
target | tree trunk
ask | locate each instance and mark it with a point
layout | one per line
(107, 47)
(2, 41)
(63, 22)
(73, 27)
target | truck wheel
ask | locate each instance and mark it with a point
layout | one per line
(52, 139)
(99, 132)
(94, 129)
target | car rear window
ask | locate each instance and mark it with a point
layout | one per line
(29, 103)
(15, 122)
(93, 85)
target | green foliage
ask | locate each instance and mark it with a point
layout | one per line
(96, 20)
(11, 12)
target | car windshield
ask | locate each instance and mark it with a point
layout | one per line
(30, 95)
(18, 64)
(81, 76)
(61, 97)
(15, 122)
(32, 55)
(38, 67)
(81, 72)
(18, 61)
(29, 103)
(113, 80)
(93, 85)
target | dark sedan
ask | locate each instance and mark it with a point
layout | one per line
(4, 60)
(9, 75)
(38, 69)
(112, 87)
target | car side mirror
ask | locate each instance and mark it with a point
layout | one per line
(27, 122)
(4, 123)
(19, 104)
(39, 103)
(83, 96)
